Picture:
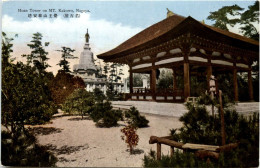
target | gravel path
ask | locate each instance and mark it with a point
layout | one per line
(79, 143)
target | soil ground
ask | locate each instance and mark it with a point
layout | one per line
(79, 143)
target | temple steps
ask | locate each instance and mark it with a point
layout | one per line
(177, 109)
(247, 108)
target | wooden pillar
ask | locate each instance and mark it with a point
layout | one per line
(186, 78)
(235, 84)
(209, 70)
(209, 73)
(174, 79)
(130, 79)
(250, 85)
(186, 68)
(153, 83)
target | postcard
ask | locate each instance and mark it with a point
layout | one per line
(130, 83)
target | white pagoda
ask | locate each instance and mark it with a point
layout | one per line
(88, 71)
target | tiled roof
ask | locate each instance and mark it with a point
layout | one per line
(160, 29)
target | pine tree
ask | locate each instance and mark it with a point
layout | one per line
(116, 72)
(6, 49)
(248, 18)
(106, 69)
(112, 72)
(66, 54)
(38, 54)
(221, 16)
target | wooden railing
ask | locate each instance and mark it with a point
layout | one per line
(141, 90)
(200, 150)
(161, 95)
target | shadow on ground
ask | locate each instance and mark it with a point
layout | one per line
(66, 149)
(63, 159)
(136, 151)
(44, 130)
(79, 118)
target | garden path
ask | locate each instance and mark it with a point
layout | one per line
(78, 142)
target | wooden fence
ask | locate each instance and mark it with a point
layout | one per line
(200, 150)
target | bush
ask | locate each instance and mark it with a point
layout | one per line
(104, 116)
(114, 95)
(79, 102)
(110, 94)
(22, 150)
(177, 160)
(26, 97)
(99, 95)
(135, 119)
(201, 128)
(130, 137)
(63, 84)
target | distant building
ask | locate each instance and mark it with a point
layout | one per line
(90, 73)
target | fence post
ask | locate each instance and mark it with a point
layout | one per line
(172, 150)
(223, 135)
(159, 147)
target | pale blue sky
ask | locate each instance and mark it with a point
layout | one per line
(109, 22)
(131, 13)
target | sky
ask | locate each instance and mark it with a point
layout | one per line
(109, 23)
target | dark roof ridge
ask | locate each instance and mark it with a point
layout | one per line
(145, 30)
(164, 26)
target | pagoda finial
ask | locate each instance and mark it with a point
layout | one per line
(169, 13)
(87, 37)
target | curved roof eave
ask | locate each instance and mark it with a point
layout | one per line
(179, 23)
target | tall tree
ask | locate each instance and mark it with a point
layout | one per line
(99, 73)
(112, 72)
(106, 69)
(137, 80)
(66, 54)
(38, 54)
(165, 79)
(249, 17)
(120, 72)
(232, 15)
(6, 49)
(25, 97)
(222, 19)
(116, 72)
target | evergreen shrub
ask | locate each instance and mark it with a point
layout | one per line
(22, 150)
(135, 119)
(79, 102)
(201, 128)
(104, 116)
(179, 159)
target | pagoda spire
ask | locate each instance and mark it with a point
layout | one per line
(87, 37)
(169, 13)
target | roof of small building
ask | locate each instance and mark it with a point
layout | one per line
(159, 29)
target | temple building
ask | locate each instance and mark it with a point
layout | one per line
(188, 47)
(90, 73)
